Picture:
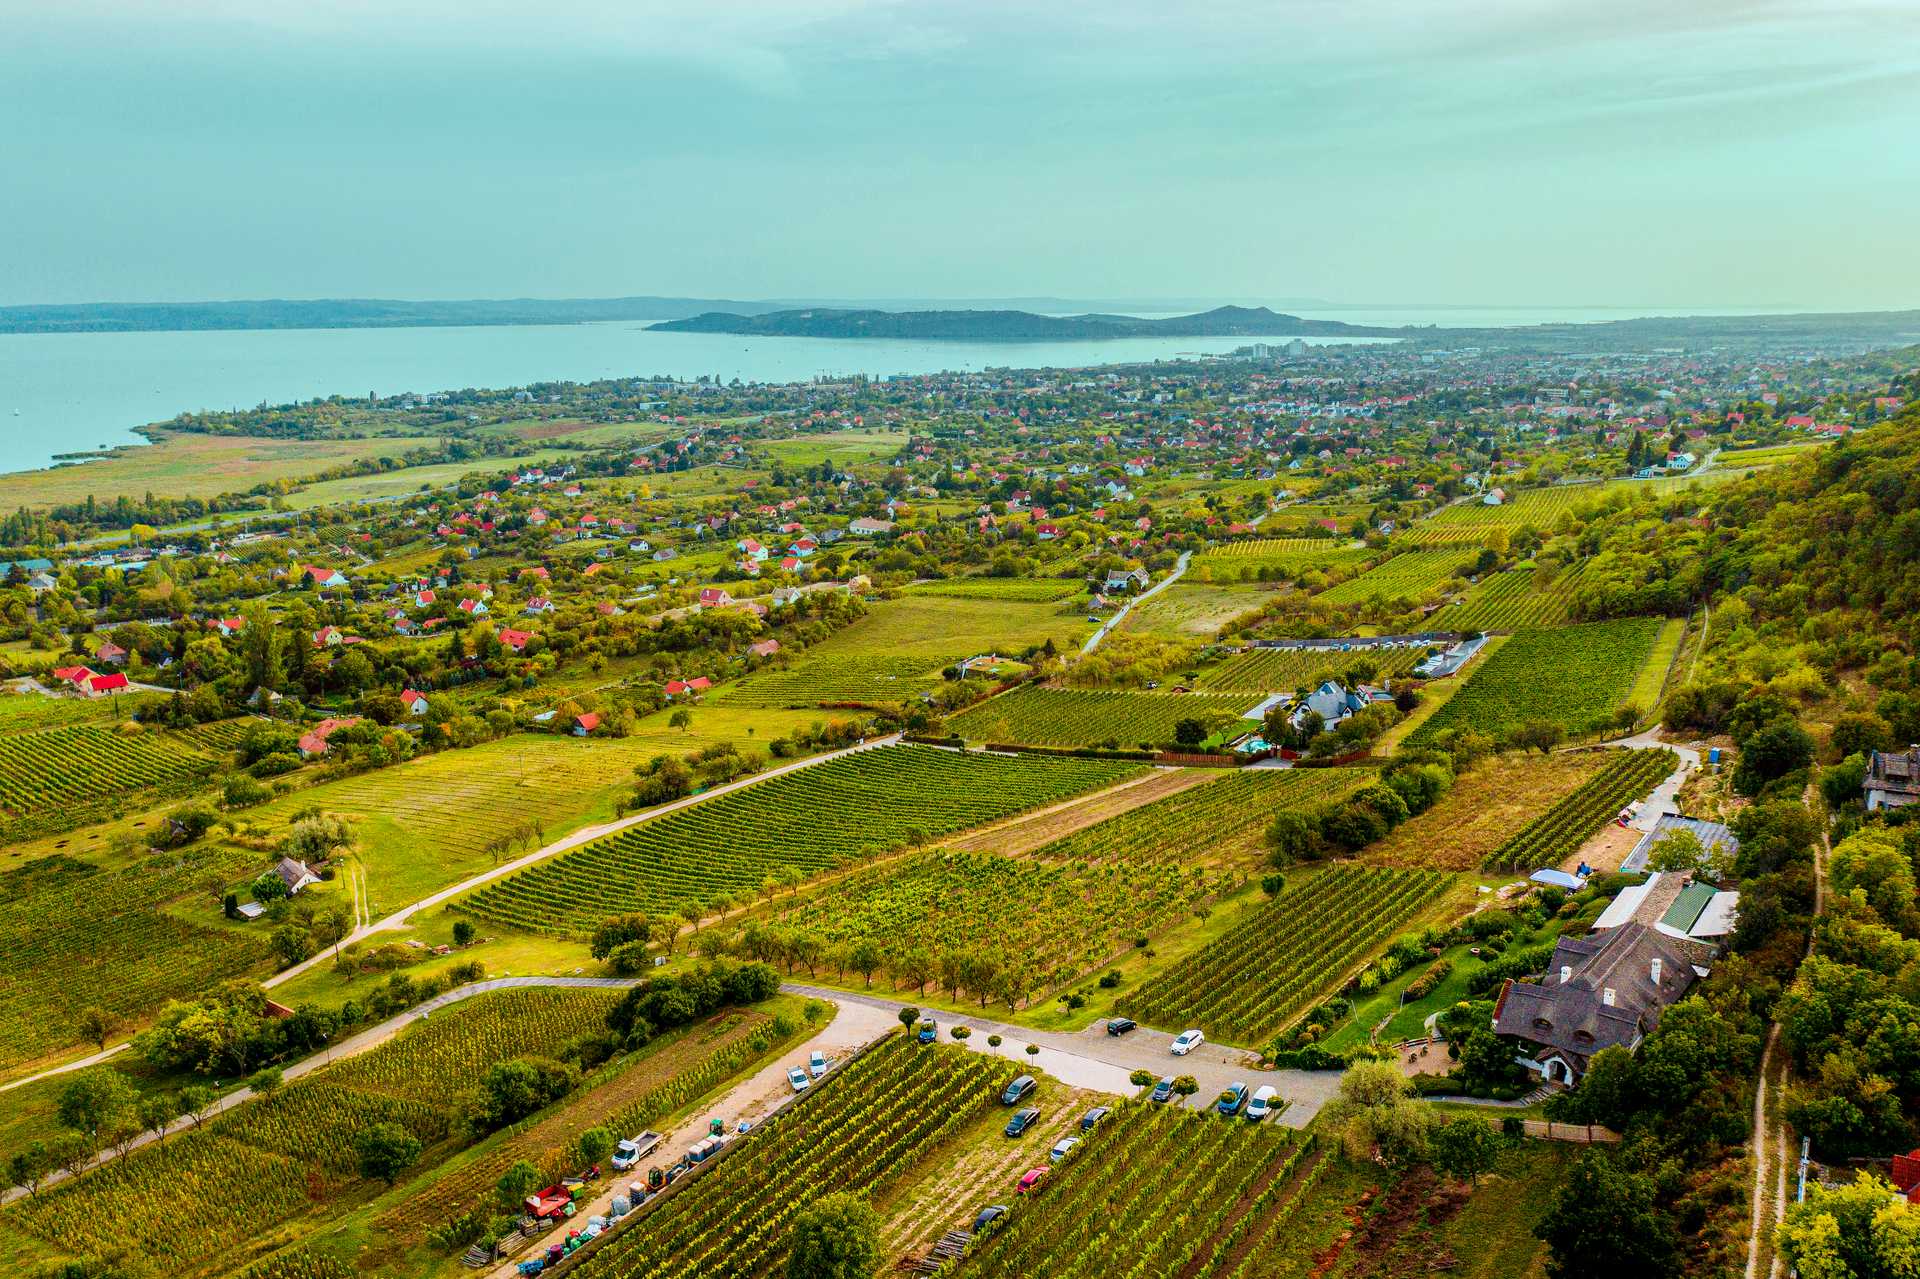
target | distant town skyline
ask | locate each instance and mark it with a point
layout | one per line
(1741, 153)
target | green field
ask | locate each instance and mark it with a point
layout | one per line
(187, 465)
(1039, 716)
(832, 680)
(734, 842)
(1578, 677)
(1040, 590)
(1189, 612)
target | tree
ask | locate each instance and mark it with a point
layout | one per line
(1033, 1050)
(515, 1184)
(463, 932)
(384, 1151)
(592, 1146)
(1771, 752)
(835, 1237)
(265, 1081)
(1189, 732)
(29, 1166)
(1862, 1228)
(1186, 1085)
(157, 1110)
(1375, 1115)
(1541, 735)
(196, 1100)
(291, 943)
(1604, 1222)
(1678, 850)
(96, 1025)
(865, 958)
(95, 1101)
(331, 927)
(1293, 836)
(908, 1015)
(1141, 1078)
(1464, 1148)
(681, 719)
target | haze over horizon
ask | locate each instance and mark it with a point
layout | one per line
(1737, 154)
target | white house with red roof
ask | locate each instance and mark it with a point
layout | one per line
(684, 687)
(538, 604)
(474, 607)
(324, 577)
(101, 685)
(414, 700)
(715, 597)
(110, 652)
(74, 676)
(515, 640)
(227, 626)
(315, 740)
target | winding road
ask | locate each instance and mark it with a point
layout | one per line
(1179, 568)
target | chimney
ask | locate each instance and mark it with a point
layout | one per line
(1656, 972)
(1566, 973)
(1606, 996)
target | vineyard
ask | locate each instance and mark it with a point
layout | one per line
(833, 681)
(1281, 670)
(1538, 507)
(275, 1159)
(1410, 575)
(1276, 557)
(1577, 677)
(1511, 601)
(807, 821)
(1244, 987)
(1558, 833)
(858, 1131)
(1030, 589)
(1074, 903)
(1183, 1189)
(56, 777)
(105, 935)
(298, 1263)
(1086, 717)
(436, 1058)
(632, 1093)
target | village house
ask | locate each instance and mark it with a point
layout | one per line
(1893, 779)
(515, 640)
(585, 724)
(315, 740)
(1599, 992)
(414, 700)
(296, 875)
(103, 685)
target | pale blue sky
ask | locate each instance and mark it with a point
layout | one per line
(1547, 152)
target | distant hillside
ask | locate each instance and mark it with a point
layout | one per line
(1016, 326)
(347, 313)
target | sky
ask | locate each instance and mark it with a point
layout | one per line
(1633, 153)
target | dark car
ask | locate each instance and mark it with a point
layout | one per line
(1120, 1025)
(1092, 1117)
(1023, 1119)
(1233, 1100)
(1163, 1091)
(988, 1215)
(1018, 1091)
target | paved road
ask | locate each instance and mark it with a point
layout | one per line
(1179, 568)
(1094, 1059)
(400, 918)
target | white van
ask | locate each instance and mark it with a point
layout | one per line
(1262, 1104)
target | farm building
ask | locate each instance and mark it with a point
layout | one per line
(1711, 835)
(296, 875)
(103, 685)
(1893, 779)
(1693, 914)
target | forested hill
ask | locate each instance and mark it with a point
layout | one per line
(1018, 326)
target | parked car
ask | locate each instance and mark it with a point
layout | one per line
(816, 1064)
(1187, 1042)
(1120, 1025)
(1033, 1178)
(1092, 1117)
(928, 1031)
(1233, 1100)
(1262, 1104)
(1023, 1119)
(1019, 1090)
(1062, 1148)
(1163, 1091)
(988, 1215)
(632, 1150)
(800, 1079)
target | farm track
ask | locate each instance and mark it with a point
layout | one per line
(1035, 830)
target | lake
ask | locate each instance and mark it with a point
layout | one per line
(65, 393)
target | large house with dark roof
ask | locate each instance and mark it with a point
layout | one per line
(1603, 991)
